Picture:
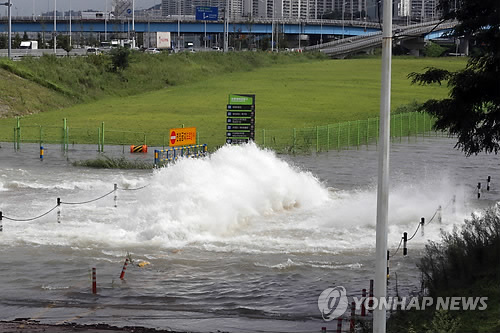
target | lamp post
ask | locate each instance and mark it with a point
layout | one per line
(343, 10)
(70, 14)
(9, 42)
(272, 30)
(133, 24)
(55, 27)
(106, 22)
(321, 29)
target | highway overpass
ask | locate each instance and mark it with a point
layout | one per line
(413, 37)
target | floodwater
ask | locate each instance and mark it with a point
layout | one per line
(241, 241)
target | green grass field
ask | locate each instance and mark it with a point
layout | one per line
(292, 95)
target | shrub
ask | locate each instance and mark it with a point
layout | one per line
(120, 58)
(466, 255)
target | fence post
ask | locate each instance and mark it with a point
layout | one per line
(102, 137)
(416, 125)
(367, 131)
(409, 126)
(63, 143)
(18, 138)
(400, 127)
(317, 138)
(98, 139)
(423, 132)
(338, 138)
(358, 131)
(327, 137)
(294, 140)
(349, 134)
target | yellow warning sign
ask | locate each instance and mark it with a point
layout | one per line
(182, 136)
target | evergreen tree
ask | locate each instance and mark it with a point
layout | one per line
(16, 43)
(472, 110)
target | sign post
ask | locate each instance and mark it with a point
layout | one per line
(240, 122)
(204, 13)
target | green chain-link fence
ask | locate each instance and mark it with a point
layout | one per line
(343, 135)
(295, 140)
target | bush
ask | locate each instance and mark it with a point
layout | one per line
(433, 50)
(120, 58)
(465, 255)
(106, 162)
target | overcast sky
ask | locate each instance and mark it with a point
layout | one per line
(25, 7)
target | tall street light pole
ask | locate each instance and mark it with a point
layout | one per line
(343, 10)
(380, 286)
(272, 30)
(9, 42)
(133, 24)
(321, 30)
(55, 27)
(70, 14)
(106, 22)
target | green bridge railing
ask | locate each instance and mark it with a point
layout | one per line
(296, 140)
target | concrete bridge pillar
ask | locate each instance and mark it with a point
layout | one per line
(463, 46)
(414, 45)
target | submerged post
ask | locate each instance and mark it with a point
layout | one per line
(94, 281)
(380, 290)
(58, 210)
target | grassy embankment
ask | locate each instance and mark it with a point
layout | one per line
(191, 89)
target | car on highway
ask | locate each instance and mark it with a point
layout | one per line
(152, 50)
(93, 50)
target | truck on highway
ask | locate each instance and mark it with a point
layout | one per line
(29, 45)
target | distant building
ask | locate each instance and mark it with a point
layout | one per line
(304, 9)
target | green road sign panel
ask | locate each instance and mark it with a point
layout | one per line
(240, 114)
(240, 107)
(236, 141)
(240, 127)
(241, 99)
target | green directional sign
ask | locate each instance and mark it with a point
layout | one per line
(240, 118)
(241, 99)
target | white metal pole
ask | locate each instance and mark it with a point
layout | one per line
(178, 25)
(343, 10)
(352, 13)
(226, 35)
(9, 13)
(106, 22)
(298, 18)
(380, 286)
(70, 32)
(55, 27)
(133, 24)
(321, 30)
(272, 30)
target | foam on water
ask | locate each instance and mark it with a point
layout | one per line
(239, 199)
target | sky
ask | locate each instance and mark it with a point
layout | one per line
(25, 7)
